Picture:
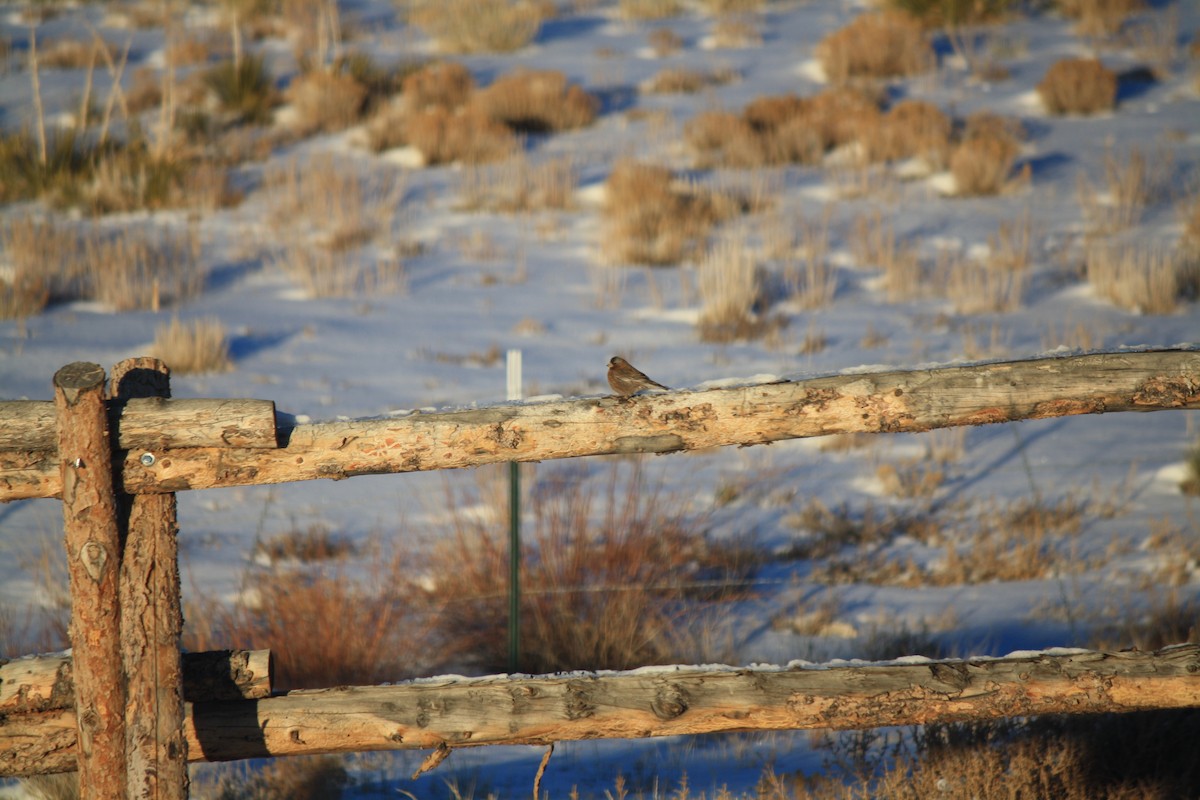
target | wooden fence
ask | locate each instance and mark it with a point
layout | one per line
(117, 456)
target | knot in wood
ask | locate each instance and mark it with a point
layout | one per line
(93, 556)
(670, 701)
(578, 703)
(509, 438)
(954, 675)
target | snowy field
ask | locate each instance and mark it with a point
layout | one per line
(855, 268)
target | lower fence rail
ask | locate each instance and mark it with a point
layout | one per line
(451, 712)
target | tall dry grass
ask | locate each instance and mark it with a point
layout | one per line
(615, 575)
(1141, 277)
(327, 624)
(519, 185)
(332, 218)
(136, 267)
(732, 291)
(194, 347)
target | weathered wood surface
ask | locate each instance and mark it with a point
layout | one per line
(682, 420)
(45, 683)
(470, 712)
(93, 558)
(149, 423)
(151, 618)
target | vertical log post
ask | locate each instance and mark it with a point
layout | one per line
(151, 618)
(93, 555)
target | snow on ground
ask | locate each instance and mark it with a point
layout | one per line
(480, 275)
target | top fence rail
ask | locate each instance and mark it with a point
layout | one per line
(891, 401)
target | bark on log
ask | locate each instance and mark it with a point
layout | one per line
(45, 683)
(682, 420)
(151, 619)
(93, 557)
(149, 423)
(470, 712)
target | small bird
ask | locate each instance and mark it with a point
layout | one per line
(626, 380)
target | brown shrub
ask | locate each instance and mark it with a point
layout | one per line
(844, 114)
(653, 220)
(981, 164)
(911, 129)
(882, 44)
(1078, 86)
(722, 138)
(983, 160)
(481, 26)
(684, 81)
(536, 102)
(445, 84)
(607, 577)
(783, 129)
(325, 101)
(380, 636)
(467, 135)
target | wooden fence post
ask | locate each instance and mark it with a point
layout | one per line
(151, 619)
(93, 555)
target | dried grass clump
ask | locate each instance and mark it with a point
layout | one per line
(1100, 17)
(245, 89)
(537, 102)
(136, 268)
(443, 84)
(611, 574)
(517, 185)
(731, 293)
(654, 219)
(324, 101)
(783, 129)
(481, 26)
(302, 778)
(982, 287)
(685, 81)
(192, 348)
(984, 159)
(954, 13)
(330, 216)
(1146, 279)
(64, 172)
(125, 269)
(650, 9)
(664, 42)
(911, 129)
(465, 134)
(38, 256)
(442, 115)
(1078, 86)
(875, 244)
(735, 33)
(1134, 182)
(379, 637)
(881, 44)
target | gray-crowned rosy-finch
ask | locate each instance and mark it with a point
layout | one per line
(627, 380)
